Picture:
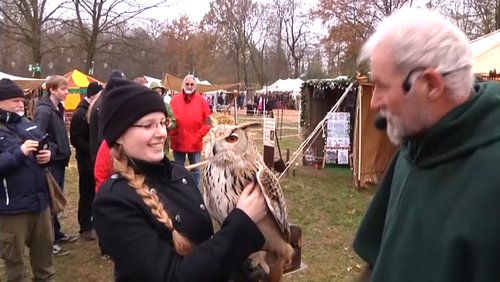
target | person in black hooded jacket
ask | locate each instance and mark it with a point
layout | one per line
(50, 118)
(95, 121)
(79, 137)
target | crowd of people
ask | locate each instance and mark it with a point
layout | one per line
(433, 218)
(121, 133)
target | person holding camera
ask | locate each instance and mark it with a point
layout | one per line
(25, 219)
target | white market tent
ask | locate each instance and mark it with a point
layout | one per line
(150, 79)
(23, 82)
(284, 85)
(202, 82)
(486, 53)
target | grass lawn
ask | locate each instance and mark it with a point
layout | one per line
(323, 202)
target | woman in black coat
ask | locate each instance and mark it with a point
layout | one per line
(150, 216)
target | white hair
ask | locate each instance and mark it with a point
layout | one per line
(189, 76)
(422, 38)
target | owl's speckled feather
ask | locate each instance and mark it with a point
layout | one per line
(229, 170)
(233, 161)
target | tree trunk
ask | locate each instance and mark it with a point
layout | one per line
(89, 62)
(245, 71)
(238, 64)
(279, 50)
(37, 56)
(296, 68)
(497, 15)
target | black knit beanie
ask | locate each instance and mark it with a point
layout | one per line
(116, 74)
(9, 90)
(125, 103)
(93, 89)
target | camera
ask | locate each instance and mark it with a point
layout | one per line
(43, 143)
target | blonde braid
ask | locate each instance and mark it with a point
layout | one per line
(137, 181)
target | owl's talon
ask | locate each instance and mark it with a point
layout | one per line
(258, 259)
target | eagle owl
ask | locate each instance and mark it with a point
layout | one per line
(232, 162)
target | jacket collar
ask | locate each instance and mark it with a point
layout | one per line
(154, 172)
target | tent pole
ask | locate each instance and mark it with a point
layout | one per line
(360, 112)
(300, 111)
(216, 102)
(235, 100)
(281, 123)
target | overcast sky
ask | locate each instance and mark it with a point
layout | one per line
(196, 9)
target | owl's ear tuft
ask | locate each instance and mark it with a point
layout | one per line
(249, 125)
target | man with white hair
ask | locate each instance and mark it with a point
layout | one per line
(192, 115)
(435, 216)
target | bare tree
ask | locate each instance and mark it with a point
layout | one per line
(28, 22)
(179, 44)
(95, 18)
(486, 14)
(257, 38)
(233, 21)
(474, 17)
(350, 23)
(276, 58)
(295, 27)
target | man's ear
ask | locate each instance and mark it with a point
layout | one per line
(435, 84)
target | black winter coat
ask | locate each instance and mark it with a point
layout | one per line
(51, 120)
(141, 246)
(79, 131)
(23, 186)
(95, 127)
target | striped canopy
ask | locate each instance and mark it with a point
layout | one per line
(77, 87)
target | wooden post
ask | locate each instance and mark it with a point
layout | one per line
(296, 242)
(287, 160)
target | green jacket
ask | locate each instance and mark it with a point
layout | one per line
(173, 124)
(436, 214)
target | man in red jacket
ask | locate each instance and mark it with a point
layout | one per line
(193, 123)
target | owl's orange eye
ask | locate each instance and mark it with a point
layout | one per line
(232, 139)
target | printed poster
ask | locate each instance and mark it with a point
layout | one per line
(338, 142)
(269, 132)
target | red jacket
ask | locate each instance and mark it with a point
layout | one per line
(103, 168)
(192, 114)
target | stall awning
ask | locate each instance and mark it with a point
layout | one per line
(174, 83)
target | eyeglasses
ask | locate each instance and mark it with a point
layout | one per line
(152, 125)
(189, 84)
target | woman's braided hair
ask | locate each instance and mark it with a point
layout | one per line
(137, 181)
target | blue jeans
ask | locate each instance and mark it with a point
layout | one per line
(180, 157)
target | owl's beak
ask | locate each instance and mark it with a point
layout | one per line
(214, 150)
